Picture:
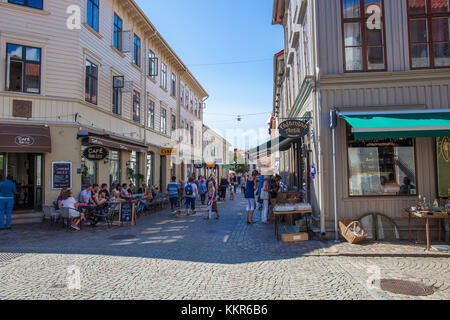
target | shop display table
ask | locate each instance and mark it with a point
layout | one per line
(426, 217)
(278, 214)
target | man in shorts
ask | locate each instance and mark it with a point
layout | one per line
(190, 194)
(172, 189)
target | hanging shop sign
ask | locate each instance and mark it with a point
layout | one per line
(293, 129)
(228, 166)
(210, 165)
(168, 152)
(198, 165)
(95, 153)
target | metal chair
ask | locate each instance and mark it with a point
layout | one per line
(69, 214)
(50, 214)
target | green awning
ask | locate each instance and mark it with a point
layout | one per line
(269, 145)
(399, 124)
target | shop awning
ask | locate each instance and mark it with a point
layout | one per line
(25, 139)
(272, 145)
(116, 144)
(399, 124)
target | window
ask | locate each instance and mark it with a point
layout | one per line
(187, 99)
(91, 82)
(173, 123)
(151, 114)
(163, 121)
(381, 167)
(152, 65)
(92, 14)
(181, 132)
(192, 134)
(23, 69)
(89, 171)
(182, 94)
(174, 85)
(117, 100)
(135, 166)
(136, 106)
(37, 4)
(163, 75)
(429, 33)
(364, 44)
(150, 169)
(137, 51)
(114, 173)
(118, 28)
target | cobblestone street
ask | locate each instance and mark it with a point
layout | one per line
(190, 258)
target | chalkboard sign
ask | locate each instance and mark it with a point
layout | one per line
(127, 213)
(61, 175)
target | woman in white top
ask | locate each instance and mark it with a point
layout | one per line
(72, 204)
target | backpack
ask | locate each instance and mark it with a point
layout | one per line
(189, 190)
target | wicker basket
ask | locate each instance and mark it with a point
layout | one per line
(344, 228)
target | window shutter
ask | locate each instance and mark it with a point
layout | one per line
(8, 71)
(127, 41)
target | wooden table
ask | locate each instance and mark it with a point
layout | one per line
(427, 218)
(283, 213)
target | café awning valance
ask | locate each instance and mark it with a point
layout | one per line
(25, 139)
(399, 124)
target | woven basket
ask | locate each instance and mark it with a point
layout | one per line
(344, 228)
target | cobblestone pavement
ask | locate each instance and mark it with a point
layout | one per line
(190, 258)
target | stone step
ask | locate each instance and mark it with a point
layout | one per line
(26, 218)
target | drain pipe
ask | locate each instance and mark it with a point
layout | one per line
(333, 121)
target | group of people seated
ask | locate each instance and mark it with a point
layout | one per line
(97, 198)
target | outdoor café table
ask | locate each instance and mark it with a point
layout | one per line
(427, 218)
(283, 213)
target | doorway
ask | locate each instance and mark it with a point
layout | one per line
(27, 172)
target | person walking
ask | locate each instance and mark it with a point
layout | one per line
(211, 201)
(250, 186)
(173, 188)
(260, 201)
(8, 190)
(190, 194)
(202, 190)
(265, 196)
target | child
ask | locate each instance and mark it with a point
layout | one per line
(232, 191)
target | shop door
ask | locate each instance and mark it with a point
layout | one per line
(2, 166)
(38, 179)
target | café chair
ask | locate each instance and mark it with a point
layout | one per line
(50, 214)
(68, 215)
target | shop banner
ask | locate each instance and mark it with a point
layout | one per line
(95, 153)
(443, 166)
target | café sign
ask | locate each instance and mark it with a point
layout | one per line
(293, 129)
(95, 153)
(24, 141)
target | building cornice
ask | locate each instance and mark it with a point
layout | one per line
(384, 77)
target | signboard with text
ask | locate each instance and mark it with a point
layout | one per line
(61, 175)
(293, 129)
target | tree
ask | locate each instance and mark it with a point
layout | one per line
(242, 168)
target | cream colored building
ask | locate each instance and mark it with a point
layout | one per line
(365, 61)
(216, 150)
(112, 81)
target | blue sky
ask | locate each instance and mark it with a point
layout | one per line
(213, 31)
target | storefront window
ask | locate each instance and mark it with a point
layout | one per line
(150, 169)
(114, 175)
(88, 172)
(381, 167)
(134, 166)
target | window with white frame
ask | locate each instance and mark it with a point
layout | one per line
(163, 75)
(163, 120)
(173, 87)
(23, 69)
